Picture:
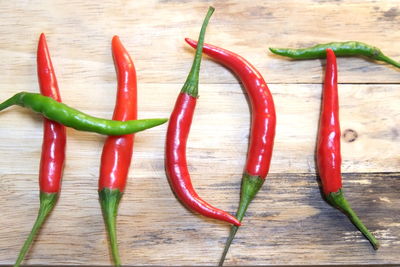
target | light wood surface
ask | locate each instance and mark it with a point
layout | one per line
(288, 223)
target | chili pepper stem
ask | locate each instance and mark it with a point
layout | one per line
(250, 186)
(388, 60)
(109, 200)
(338, 200)
(47, 203)
(228, 243)
(191, 85)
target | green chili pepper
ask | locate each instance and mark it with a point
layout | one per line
(351, 48)
(73, 118)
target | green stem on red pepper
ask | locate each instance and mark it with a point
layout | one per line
(109, 200)
(338, 200)
(47, 203)
(53, 147)
(117, 150)
(191, 85)
(329, 158)
(250, 187)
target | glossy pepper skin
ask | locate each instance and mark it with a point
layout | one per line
(350, 48)
(177, 134)
(73, 118)
(117, 150)
(262, 133)
(53, 147)
(329, 158)
(328, 148)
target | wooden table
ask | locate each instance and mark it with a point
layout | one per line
(288, 223)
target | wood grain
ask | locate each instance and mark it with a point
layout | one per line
(220, 129)
(288, 223)
(79, 35)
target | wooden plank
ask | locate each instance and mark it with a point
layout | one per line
(287, 224)
(79, 35)
(155, 229)
(220, 129)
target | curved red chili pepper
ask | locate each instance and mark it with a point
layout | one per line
(117, 150)
(263, 118)
(328, 148)
(53, 147)
(263, 121)
(177, 134)
(175, 160)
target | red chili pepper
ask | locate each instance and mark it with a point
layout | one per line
(177, 134)
(53, 147)
(117, 150)
(262, 127)
(328, 148)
